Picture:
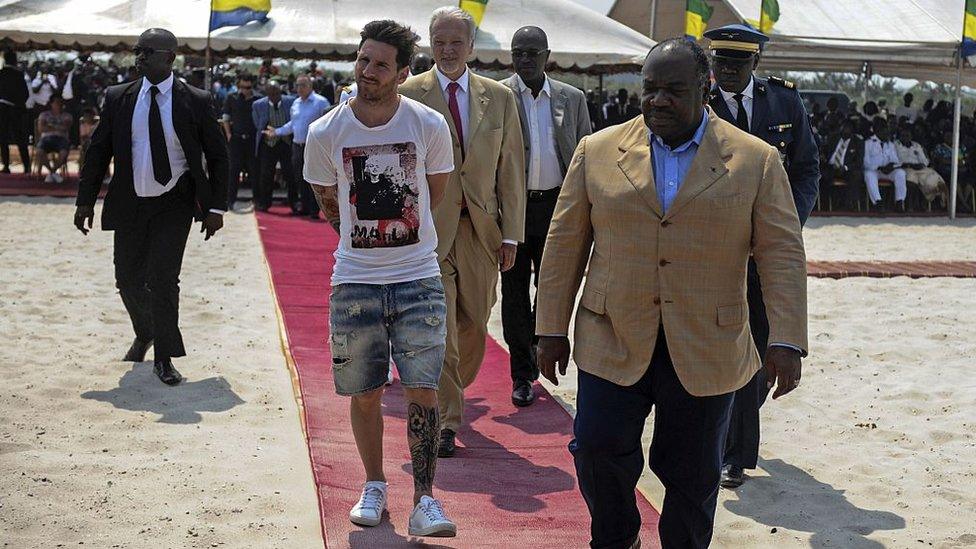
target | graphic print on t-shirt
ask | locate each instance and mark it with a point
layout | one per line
(384, 195)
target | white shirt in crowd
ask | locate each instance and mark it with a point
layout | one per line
(462, 98)
(878, 153)
(837, 159)
(544, 172)
(910, 113)
(386, 228)
(746, 101)
(912, 154)
(142, 167)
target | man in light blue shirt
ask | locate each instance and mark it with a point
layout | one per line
(307, 108)
(671, 165)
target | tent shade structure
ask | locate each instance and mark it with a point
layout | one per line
(581, 40)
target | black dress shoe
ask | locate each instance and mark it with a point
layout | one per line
(523, 395)
(166, 372)
(446, 448)
(731, 476)
(137, 352)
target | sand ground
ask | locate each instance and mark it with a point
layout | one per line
(876, 449)
(96, 452)
(878, 446)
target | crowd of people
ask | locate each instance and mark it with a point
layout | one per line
(909, 147)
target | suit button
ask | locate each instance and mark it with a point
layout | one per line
(665, 223)
(663, 262)
(657, 300)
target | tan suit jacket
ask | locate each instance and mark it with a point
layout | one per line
(686, 267)
(491, 176)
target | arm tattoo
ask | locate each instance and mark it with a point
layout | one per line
(328, 203)
(423, 429)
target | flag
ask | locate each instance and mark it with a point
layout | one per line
(969, 31)
(769, 15)
(234, 13)
(697, 14)
(476, 8)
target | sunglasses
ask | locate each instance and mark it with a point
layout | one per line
(529, 54)
(146, 51)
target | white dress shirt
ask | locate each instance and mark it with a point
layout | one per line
(462, 95)
(142, 167)
(911, 154)
(746, 101)
(544, 172)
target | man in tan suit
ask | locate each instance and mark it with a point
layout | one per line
(481, 219)
(673, 204)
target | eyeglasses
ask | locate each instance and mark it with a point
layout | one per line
(146, 51)
(529, 54)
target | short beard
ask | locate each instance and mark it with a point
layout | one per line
(383, 95)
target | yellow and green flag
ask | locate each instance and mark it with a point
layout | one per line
(768, 16)
(697, 14)
(969, 31)
(476, 8)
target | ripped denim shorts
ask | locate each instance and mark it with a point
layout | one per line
(368, 322)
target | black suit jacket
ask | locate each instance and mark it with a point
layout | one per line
(853, 158)
(195, 123)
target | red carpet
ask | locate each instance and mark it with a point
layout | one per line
(512, 483)
(28, 185)
(888, 269)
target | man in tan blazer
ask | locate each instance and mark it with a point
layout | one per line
(672, 205)
(481, 219)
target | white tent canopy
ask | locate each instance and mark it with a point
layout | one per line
(580, 39)
(907, 38)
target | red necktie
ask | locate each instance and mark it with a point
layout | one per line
(452, 103)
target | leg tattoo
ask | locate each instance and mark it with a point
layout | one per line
(423, 428)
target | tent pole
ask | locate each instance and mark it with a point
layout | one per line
(653, 18)
(956, 112)
(206, 55)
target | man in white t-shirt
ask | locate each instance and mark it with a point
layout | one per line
(378, 163)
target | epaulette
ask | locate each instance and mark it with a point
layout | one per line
(780, 82)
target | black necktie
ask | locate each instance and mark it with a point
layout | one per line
(741, 118)
(157, 141)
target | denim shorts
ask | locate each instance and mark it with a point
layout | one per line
(369, 321)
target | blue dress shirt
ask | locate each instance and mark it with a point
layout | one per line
(672, 165)
(303, 113)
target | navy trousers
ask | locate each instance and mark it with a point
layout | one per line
(686, 454)
(742, 444)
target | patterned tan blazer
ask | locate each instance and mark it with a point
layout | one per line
(491, 176)
(686, 267)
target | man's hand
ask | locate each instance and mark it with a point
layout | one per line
(211, 224)
(783, 366)
(269, 132)
(886, 168)
(83, 214)
(506, 256)
(550, 351)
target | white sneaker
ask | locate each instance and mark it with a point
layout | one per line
(368, 511)
(57, 178)
(428, 519)
(49, 178)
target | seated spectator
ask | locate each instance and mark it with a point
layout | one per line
(845, 160)
(917, 170)
(942, 162)
(910, 113)
(53, 126)
(881, 158)
(833, 119)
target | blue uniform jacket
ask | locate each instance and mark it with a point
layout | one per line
(260, 113)
(779, 118)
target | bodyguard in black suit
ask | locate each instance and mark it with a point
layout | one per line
(158, 130)
(554, 117)
(770, 109)
(13, 112)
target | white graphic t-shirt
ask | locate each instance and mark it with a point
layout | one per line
(386, 229)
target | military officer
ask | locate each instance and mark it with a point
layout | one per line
(770, 109)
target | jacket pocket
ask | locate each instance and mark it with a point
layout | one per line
(594, 301)
(731, 315)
